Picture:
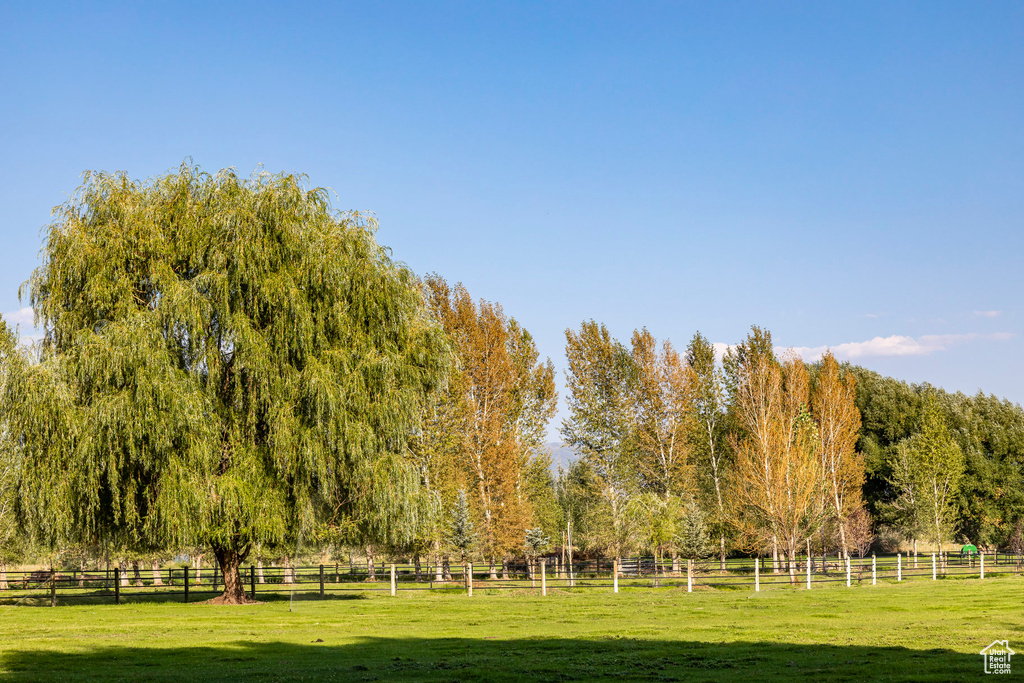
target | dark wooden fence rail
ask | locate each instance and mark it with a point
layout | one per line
(323, 581)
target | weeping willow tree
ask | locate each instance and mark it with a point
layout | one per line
(227, 362)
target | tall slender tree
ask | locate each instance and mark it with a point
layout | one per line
(709, 406)
(505, 398)
(663, 418)
(834, 407)
(599, 379)
(233, 363)
(930, 464)
(778, 471)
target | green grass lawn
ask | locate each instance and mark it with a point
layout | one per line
(919, 630)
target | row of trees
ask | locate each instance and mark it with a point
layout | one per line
(231, 366)
(771, 456)
(676, 441)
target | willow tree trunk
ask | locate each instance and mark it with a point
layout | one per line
(230, 561)
(123, 566)
(157, 580)
(136, 574)
(438, 575)
(371, 569)
(259, 570)
(494, 573)
(3, 576)
(419, 568)
(287, 574)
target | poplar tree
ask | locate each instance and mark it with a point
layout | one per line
(227, 362)
(708, 390)
(600, 381)
(502, 397)
(778, 470)
(931, 465)
(834, 406)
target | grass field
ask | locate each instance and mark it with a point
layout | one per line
(921, 630)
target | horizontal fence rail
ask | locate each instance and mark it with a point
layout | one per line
(334, 580)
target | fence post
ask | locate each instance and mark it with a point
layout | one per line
(186, 583)
(393, 587)
(757, 574)
(847, 571)
(53, 587)
(873, 574)
(252, 581)
(899, 567)
(543, 576)
(615, 576)
(117, 585)
(689, 576)
(321, 582)
(982, 556)
(469, 579)
(933, 567)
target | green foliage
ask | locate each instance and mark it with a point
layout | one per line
(930, 464)
(226, 361)
(989, 432)
(599, 383)
(536, 542)
(693, 534)
(461, 535)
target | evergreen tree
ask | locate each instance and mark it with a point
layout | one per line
(461, 535)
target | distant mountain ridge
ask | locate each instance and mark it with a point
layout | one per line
(561, 455)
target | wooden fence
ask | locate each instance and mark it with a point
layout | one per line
(326, 581)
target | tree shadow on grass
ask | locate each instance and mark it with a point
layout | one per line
(465, 659)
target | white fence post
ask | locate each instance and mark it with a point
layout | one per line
(543, 577)
(808, 572)
(982, 556)
(899, 567)
(933, 567)
(392, 580)
(757, 574)
(847, 571)
(615, 576)
(873, 574)
(689, 578)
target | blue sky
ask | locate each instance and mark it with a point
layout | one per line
(847, 176)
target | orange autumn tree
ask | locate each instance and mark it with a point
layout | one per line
(663, 421)
(777, 471)
(505, 399)
(842, 467)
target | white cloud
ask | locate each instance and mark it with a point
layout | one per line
(22, 317)
(897, 345)
(870, 315)
(720, 350)
(988, 314)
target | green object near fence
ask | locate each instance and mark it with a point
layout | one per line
(969, 550)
